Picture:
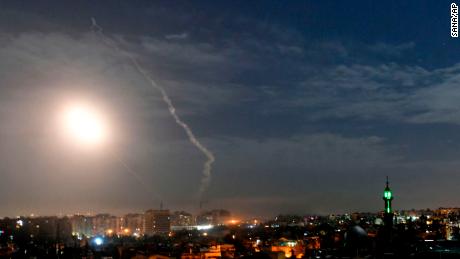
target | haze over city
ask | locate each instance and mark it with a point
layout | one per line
(306, 107)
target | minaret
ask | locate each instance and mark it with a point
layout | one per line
(388, 213)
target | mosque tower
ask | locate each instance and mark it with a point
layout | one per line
(388, 213)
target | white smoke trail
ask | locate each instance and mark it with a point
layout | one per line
(137, 177)
(207, 167)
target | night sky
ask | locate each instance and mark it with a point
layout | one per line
(306, 105)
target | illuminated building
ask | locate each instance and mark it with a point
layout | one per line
(134, 223)
(388, 212)
(214, 217)
(157, 222)
(103, 222)
(290, 248)
(182, 219)
(81, 225)
(212, 252)
(289, 220)
(445, 212)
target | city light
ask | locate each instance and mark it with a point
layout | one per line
(204, 227)
(98, 241)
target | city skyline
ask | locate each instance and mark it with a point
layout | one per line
(260, 108)
(387, 196)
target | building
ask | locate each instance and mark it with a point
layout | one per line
(211, 252)
(290, 248)
(182, 219)
(388, 212)
(214, 217)
(81, 225)
(157, 222)
(133, 224)
(104, 223)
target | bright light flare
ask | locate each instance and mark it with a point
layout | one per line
(85, 124)
(98, 241)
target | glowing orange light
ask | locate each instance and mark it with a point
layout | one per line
(234, 221)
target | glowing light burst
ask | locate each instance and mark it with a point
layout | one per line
(85, 124)
(98, 241)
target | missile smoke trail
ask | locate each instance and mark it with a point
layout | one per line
(137, 177)
(207, 167)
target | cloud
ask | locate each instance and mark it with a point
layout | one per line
(365, 90)
(180, 36)
(404, 93)
(391, 49)
(438, 102)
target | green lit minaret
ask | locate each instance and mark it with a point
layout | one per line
(388, 213)
(388, 197)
